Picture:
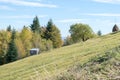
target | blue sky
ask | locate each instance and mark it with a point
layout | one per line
(99, 14)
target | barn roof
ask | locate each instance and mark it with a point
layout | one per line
(35, 49)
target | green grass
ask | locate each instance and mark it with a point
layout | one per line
(56, 61)
(100, 67)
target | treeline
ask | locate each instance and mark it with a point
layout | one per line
(15, 45)
(81, 32)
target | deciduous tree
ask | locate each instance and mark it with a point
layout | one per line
(26, 37)
(80, 32)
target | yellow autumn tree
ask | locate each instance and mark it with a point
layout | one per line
(26, 36)
(4, 40)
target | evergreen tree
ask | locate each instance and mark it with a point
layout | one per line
(49, 29)
(99, 33)
(9, 28)
(35, 27)
(115, 28)
(12, 50)
(4, 40)
(53, 33)
(43, 31)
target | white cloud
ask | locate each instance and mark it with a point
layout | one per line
(70, 20)
(108, 1)
(104, 14)
(28, 3)
(22, 16)
(2, 7)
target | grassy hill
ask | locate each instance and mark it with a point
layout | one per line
(50, 64)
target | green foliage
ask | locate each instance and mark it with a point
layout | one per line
(20, 48)
(2, 59)
(4, 40)
(81, 32)
(26, 37)
(68, 41)
(40, 43)
(9, 28)
(26, 34)
(49, 30)
(12, 54)
(53, 34)
(35, 27)
(36, 40)
(33, 37)
(43, 32)
(49, 45)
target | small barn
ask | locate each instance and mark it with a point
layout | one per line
(34, 51)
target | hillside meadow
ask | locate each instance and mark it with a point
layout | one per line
(52, 63)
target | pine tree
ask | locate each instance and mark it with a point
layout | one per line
(12, 50)
(99, 33)
(115, 28)
(35, 27)
(53, 34)
(9, 28)
(49, 29)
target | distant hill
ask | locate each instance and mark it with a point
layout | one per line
(93, 60)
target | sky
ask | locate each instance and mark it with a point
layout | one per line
(98, 14)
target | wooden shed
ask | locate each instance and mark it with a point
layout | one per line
(34, 51)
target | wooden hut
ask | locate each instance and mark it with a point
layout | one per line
(34, 51)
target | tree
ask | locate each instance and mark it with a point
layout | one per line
(80, 32)
(115, 28)
(42, 44)
(4, 40)
(26, 37)
(36, 40)
(20, 48)
(43, 30)
(68, 41)
(9, 28)
(26, 34)
(12, 50)
(99, 33)
(35, 27)
(49, 29)
(53, 34)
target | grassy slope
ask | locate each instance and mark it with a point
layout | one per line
(56, 61)
(100, 67)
